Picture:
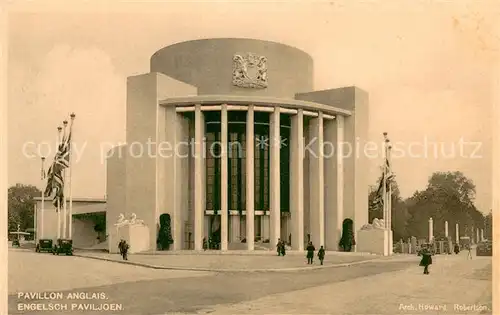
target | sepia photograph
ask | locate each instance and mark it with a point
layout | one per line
(249, 157)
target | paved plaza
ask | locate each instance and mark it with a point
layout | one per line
(390, 286)
(232, 261)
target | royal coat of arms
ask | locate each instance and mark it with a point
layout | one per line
(250, 71)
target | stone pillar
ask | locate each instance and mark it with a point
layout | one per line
(446, 229)
(431, 230)
(235, 229)
(316, 181)
(274, 170)
(206, 229)
(356, 166)
(264, 225)
(223, 179)
(250, 178)
(477, 236)
(482, 235)
(457, 234)
(297, 180)
(199, 185)
(334, 181)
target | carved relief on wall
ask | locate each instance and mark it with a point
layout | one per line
(250, 71)
(122, 221)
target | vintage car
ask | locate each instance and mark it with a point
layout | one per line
(63, 246)
(484, 249)
(44, 245)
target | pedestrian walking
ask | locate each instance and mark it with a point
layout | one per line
(123, 246)
(278, 247)
(469, 254)
(426, 260)
(283, 248)
(205, 244)
(321, 255)
(310, 253)
(120, 247)
(457, 249)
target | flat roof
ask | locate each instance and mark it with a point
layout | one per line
(78, 199)
(254, 100)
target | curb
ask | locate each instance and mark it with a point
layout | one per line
(127, 262)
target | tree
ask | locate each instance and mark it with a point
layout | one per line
(449, 196)
(488, 226)
(21, 206)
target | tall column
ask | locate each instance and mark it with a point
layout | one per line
(446, 229)
(482, 235)
(316, 180)
(297, 180)
(206, 227)
(477, 236)
(431, 231)
(250, 186)
(274, 169)
(264, 227)
(235, 228)
(199, 179)
(223, 179)
(457, 235)
(334, 180)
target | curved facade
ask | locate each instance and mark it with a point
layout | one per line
(207, 64)
(242, 152)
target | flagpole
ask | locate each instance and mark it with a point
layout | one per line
(70, 231)
(384, 185)
(389, 203)
(389, 171)
(58, 207)
(42, 208)
(65, 213)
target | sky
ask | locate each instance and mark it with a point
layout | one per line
(426, 66)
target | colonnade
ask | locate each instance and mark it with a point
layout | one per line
(325, 172)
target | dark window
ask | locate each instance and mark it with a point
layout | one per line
(237, 161)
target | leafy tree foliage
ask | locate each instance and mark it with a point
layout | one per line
(21, 205)
(488, 228)
(449, 196)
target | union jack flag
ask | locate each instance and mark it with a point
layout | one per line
(55, 178)
(388, 176)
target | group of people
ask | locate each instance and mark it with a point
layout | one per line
(310, 249)
(310, 254)
(281, 247)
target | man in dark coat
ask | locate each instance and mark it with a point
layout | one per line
(123, 246)
(457, 249)
(310, 253)
(278, 247)
(321, 254)
(426, 260)
(283, 248)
